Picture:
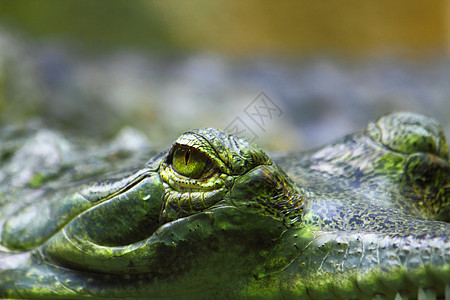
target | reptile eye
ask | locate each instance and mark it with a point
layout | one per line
(190, 162)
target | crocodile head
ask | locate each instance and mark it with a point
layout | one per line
(214, 216)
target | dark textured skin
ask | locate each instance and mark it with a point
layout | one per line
(364, 217)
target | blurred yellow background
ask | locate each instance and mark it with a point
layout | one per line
(240, 27)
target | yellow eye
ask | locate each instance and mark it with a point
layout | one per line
(189, 162)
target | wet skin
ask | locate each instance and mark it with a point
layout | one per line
(214, 216)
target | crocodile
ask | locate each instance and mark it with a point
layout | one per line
(214, 216)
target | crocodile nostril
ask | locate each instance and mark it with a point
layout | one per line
(409, 133)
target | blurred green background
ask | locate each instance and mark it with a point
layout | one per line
(93, 67)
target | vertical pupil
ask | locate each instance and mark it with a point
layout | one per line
(186, 156)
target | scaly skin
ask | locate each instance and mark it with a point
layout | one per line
(365, 217)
